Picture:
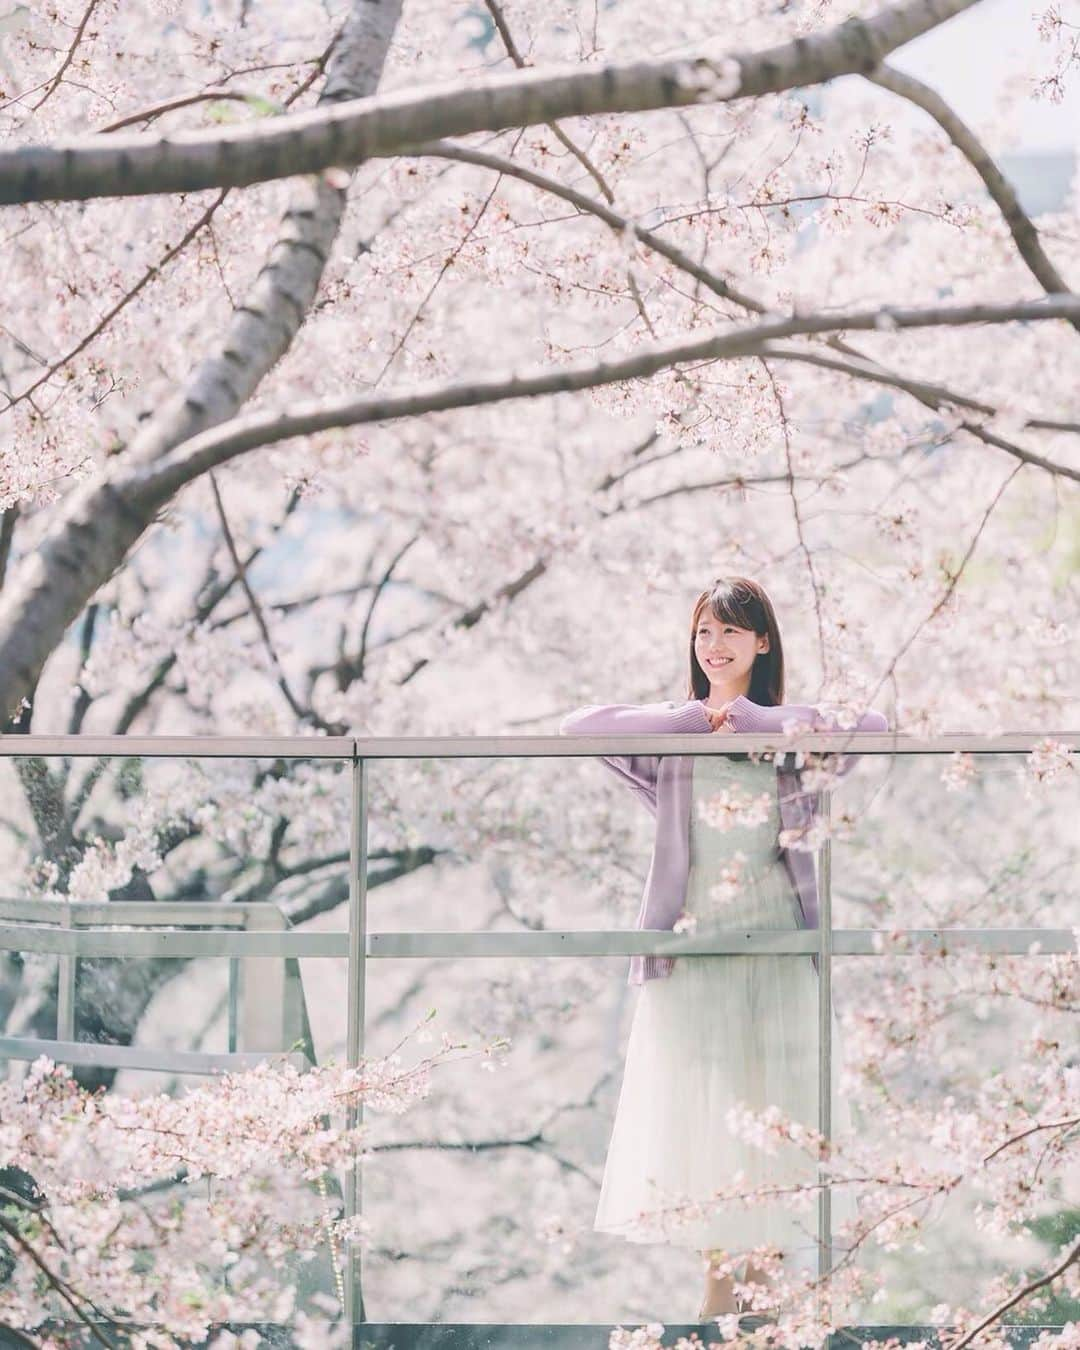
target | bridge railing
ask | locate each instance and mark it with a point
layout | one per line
(266, 1011)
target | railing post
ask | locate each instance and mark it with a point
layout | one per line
(825, 1046)
(234, 1002)
(354, 1049)
(260, 1012)
(65, 998)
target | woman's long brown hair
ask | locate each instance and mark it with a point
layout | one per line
(744, 603)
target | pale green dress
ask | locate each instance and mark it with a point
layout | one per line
(720, 1030)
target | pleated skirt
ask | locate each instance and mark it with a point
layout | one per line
(718, 1034)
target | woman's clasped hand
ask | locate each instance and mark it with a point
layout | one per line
(718, 717)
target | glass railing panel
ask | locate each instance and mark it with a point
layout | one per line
(483, 843)
(953, 1068)
(512, 1192)
(561, 843)
(940, 841)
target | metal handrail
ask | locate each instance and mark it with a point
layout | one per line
(165, 943)
(512, 747)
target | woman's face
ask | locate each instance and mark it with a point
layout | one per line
(726, 653)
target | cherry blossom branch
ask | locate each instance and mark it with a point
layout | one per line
(181, 101)
(301, 713)
(71, 1296)
(336, 891)
(742, 481)
(943, 599)
(376, 595)
(931, 396)
(536, 1140)
(953, 580)
(619, 223)
(1024, 233)
(54, 82)
(1073, 1254)
(155, 269)
(865, 368)
(857, 365)
(499, 20)
(317, 63)
(508, 591)
(344, 667)
(926, 1192)
(800, 533)
(139, 700)
(312, 141)
(151, 274)
(447, 263)
(934, 396)
(1065, 1124)
(157, 483)
(214, 593)
(975, 429)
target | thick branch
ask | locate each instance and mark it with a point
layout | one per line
(926, 391)
(81, 553)
(311, 141)
(1000, 189)
(146, 488)
(261, 329)
(932, 396)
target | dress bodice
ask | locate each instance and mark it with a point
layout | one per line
(722, 785)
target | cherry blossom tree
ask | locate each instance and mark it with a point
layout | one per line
(367, 367)
(94, 1238)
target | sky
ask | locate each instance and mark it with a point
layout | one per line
(974, 52)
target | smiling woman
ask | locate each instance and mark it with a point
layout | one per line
(726, 649)
(715, 1035)
(735, 645)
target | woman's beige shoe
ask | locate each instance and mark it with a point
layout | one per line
(752, 1320)
(703, 1316)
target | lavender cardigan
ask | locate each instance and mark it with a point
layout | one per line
(663, 782)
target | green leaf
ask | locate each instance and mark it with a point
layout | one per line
(264, 107)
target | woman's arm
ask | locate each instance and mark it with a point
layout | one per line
(744, 715)
(636, 719)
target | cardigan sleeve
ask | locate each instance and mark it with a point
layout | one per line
(745, 715)
(639, 772)
(636, 719)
